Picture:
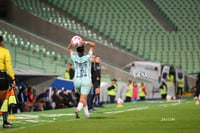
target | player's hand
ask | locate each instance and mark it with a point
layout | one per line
(81, 43)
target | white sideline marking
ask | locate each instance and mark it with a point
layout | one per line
(33, 121)
(26, 116)
(116, 112)
(190, 101)
(165, 105)
(56, 115)
(175, 103)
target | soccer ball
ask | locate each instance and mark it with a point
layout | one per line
(168, 98)
(120, 101)
(75, 41)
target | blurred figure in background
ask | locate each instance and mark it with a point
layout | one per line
(129, 91)
(98, 82)
(180, 86)
(142, 92)
(23, 104)
(112, 90)
(43, 102)
(163, 90)
(197, 89)
(31, 95)
(135, 92)
(59, 101)
(67, 98)
(91, 95)
(69, 73)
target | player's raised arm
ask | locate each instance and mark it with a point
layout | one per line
(89, 43)
(70, 48)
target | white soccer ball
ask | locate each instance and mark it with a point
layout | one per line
(75, 41)
(120, 101)
(168, 97)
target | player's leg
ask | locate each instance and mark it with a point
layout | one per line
(85, 106)
(6, 124)
(85, 89)
(80, 106)
(3, 92)
(77, 85)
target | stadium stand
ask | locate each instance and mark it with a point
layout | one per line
(128, 23)
(131, 25)
(184, 14)
(29, 55)
(53, 16)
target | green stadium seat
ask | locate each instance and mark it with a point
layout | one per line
(130, 18)
(29, 55)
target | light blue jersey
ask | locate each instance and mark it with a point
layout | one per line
(82, 77)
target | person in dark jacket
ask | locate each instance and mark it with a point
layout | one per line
(197, 92)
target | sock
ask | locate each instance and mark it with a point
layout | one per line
(79, 107)
(86, 110)
(5, 115)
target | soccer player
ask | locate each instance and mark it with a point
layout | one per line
(82, 77)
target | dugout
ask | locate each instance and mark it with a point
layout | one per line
(61, 83)
(40, 81)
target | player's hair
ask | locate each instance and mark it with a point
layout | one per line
(1, 39)
(80, 50)
(130, 81)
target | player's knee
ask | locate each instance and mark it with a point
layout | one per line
(83, 101)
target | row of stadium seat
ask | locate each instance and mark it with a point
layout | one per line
(30, 46)
(25, 58)
(104, 21)
(50, 14)
(184, 13)
(29, 55)
(129, 30)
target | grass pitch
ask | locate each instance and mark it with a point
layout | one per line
(140, 117)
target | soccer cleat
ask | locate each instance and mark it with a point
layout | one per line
(77, 114)
(7, 125)
(92, 110)
(87, 116)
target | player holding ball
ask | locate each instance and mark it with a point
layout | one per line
(82, 66)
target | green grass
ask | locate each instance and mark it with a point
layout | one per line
(141, 117)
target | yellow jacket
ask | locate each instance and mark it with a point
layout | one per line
(5, 62)
(181, 82)
(66, 75)
(130, 91)
(113, 89)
